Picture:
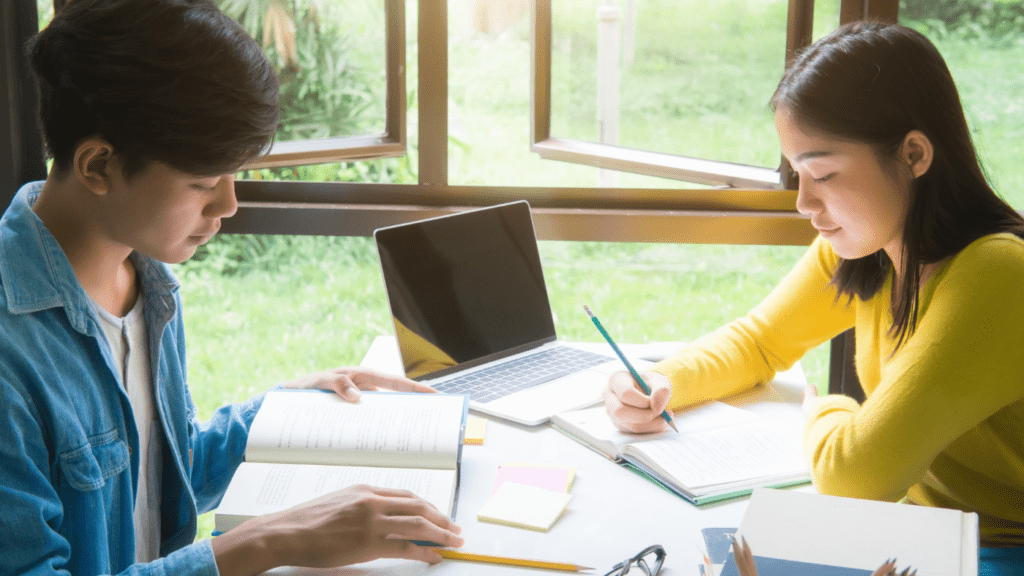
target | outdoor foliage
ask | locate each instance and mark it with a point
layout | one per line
(987, 20)
(326, 92)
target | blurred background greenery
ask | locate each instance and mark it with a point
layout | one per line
(263, 309)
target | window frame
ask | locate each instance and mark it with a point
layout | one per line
(390, 143)
(21, 150)
(799, 25)
(733, 216)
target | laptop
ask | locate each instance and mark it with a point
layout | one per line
(471, 315)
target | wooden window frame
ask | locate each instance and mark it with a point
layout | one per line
(732, 216)
(391, 143)
(799, 25)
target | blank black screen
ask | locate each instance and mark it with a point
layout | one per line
(465, 286)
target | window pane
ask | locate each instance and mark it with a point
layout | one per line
(983, 44)
(826, 17)
(330, 59)
(45, 10)
(664, 292)
(696, 76)
(489, 103)
(363, 78)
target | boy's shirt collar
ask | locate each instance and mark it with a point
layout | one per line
(36, 274)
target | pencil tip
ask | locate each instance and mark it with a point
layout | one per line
(673, 425)
(588, 310)
(581, 568)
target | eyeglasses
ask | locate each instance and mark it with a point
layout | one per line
(649, 560)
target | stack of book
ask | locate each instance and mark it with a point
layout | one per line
(806, 534)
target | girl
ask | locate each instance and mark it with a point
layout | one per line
(918, 253)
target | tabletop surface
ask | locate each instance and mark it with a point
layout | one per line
(613, 514)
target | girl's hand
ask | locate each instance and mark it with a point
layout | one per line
(810, 395)
(744, 558)
(630, 409)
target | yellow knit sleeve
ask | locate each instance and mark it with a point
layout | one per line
(800, 313)
(948, 386)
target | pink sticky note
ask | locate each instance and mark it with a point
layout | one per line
(555, 479)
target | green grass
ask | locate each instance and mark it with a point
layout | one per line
(321, 303)
(323, 306)
(989, 81)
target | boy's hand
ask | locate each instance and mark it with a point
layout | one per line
(357, 524)
(363, 523)
(630, 409)
(347, 382)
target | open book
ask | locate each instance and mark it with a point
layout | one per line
(720, 451)
(806, 534)
(304, 444)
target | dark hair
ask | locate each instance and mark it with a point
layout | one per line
(174, 81)
(874, 83)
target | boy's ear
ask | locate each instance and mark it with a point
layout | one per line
(917, 152)
(93, 165)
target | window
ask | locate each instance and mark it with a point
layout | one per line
(674, 89)
(440, 168)
(342, 74)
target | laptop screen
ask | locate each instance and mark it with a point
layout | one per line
(465, 288)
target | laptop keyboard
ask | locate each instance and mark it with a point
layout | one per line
(503, 379)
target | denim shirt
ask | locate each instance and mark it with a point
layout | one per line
(69, 449)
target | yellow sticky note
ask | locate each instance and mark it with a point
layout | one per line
(476, 429)
(524, 506)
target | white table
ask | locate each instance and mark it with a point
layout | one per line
(613, 513)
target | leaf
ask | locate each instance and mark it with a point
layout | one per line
(280, 24)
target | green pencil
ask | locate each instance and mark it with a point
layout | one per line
(629, 366)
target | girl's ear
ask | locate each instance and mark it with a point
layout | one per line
(92, 165)
(917, 152)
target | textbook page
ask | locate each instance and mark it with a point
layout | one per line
(381, 429)
(259, 488)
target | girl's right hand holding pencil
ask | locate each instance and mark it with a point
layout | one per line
(633, 411)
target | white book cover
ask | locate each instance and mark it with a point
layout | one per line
(802, 533)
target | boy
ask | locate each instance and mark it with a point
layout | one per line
(147, 107)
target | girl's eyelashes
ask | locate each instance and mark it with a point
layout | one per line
(825, 178)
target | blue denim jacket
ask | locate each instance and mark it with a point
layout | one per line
(69, 447)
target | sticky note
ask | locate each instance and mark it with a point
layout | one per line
(524, 506)
(549, 478)
(476, 429)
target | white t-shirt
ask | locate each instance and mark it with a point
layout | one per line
(129, 342)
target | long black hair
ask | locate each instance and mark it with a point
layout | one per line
(874, 83)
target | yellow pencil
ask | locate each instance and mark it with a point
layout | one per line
(457, 555)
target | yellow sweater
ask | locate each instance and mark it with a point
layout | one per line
(943, 423)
